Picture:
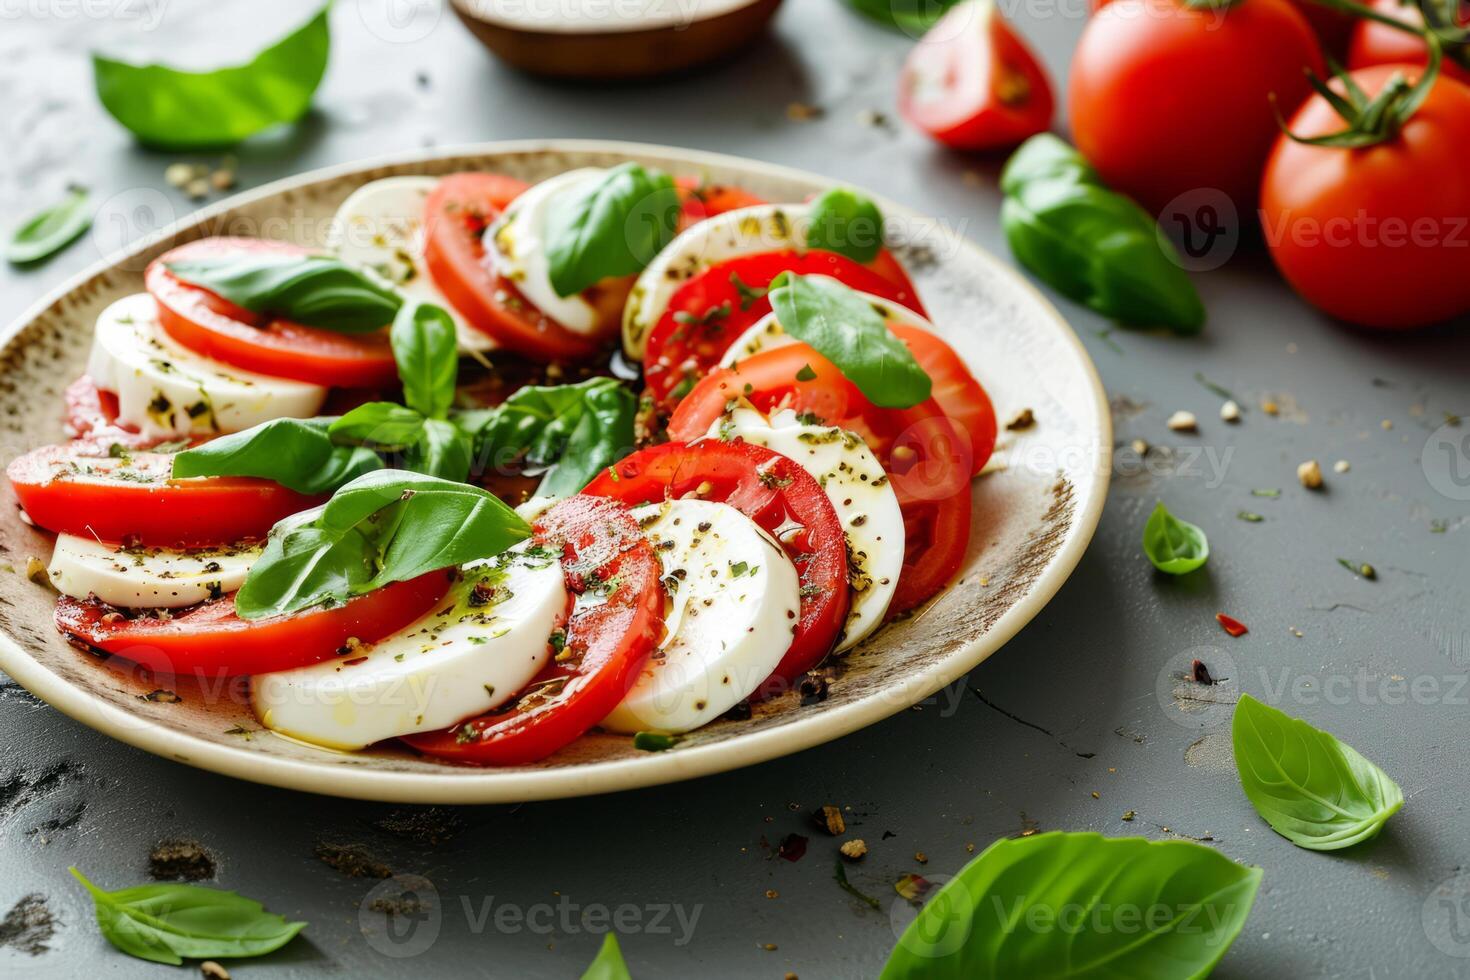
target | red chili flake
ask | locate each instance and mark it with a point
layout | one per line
(792, 847)
(1232, 625)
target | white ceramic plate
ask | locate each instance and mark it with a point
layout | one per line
(1033, 516)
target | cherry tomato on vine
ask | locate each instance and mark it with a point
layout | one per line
(1379, 44)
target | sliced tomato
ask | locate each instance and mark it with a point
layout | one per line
(955, 389)
(774, 492)
(210, 640)
(456, 215)
(78, 488)
(89, 409)
(213, 326)
(699, 200)
(710, 311)
(971, 83)
(614, 626)
(927, 456)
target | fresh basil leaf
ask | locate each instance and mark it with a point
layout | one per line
(913, 17)
(611, 226)
(1174, 546)
(1313, 790)
(573, 432)
(49, 231)
(165, 923)
(383, 527)
(427, 352)
(845, 329)
(848, 223)
(315, 290)
(1079, 905)
(609, 964)
(386, 426)
(296, 453)
(175, 109)
(442, 450)
(1092, 245)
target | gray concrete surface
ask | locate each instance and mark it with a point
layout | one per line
(1072, 732)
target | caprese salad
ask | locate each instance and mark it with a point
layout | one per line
(406, 485)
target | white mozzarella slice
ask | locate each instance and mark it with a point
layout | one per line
(146, 578)
(381, 227)
(860, 493)
(487, 639)
(766, 333)
(517, 243)
(165, 389)
(734, 600)
(744, 231)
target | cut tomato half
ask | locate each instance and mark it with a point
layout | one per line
(80, 488)
(712, 309)
(615, 623)
(213, 326)
(209, 640)
(774, 492)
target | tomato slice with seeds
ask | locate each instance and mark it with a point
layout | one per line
(712, 309)
(209, 640)
(213, 326)
(456, 215)
(616, 621)
(926, 454)
(698, 200)
(774, 492)
(955, 389)
(80, 488)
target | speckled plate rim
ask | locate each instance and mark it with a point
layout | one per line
(513, 785)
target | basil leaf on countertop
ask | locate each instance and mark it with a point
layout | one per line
(49, 231)
(1313, 790)
(1174, 546)
(573, 432)
(610, 226)
(1120, 907)
(848, 223)
(175, 109)
(913, 17)
(383, 527)
(297, 453)
(609, 964)
(164, 923)
(845, 329)
(1091, 244)
(385, 426)
(442, 450)
(427, 352)
(315, 290)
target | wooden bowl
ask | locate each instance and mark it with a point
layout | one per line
(613, 39)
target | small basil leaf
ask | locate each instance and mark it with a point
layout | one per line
(442, 450)
(1174, 546)
(48, 232)
(296, 453)
(427, 352)
(1313, 790)
(611, 226)
(383, 527)
(1079, 905)
(572, 432)
(387, 426)
(315, 290)
(848, 223)
(913, 17)
(1092, 245)
(165, 923)
(175, 109)
(845, 329)
(609, 964)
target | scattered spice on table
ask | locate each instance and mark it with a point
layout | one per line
(1310, 474)
(853, 849)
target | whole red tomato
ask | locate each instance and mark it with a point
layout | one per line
(1378, 44)
(1167, 98)
(1376, 236)
(1332, 27)
(971, 82)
